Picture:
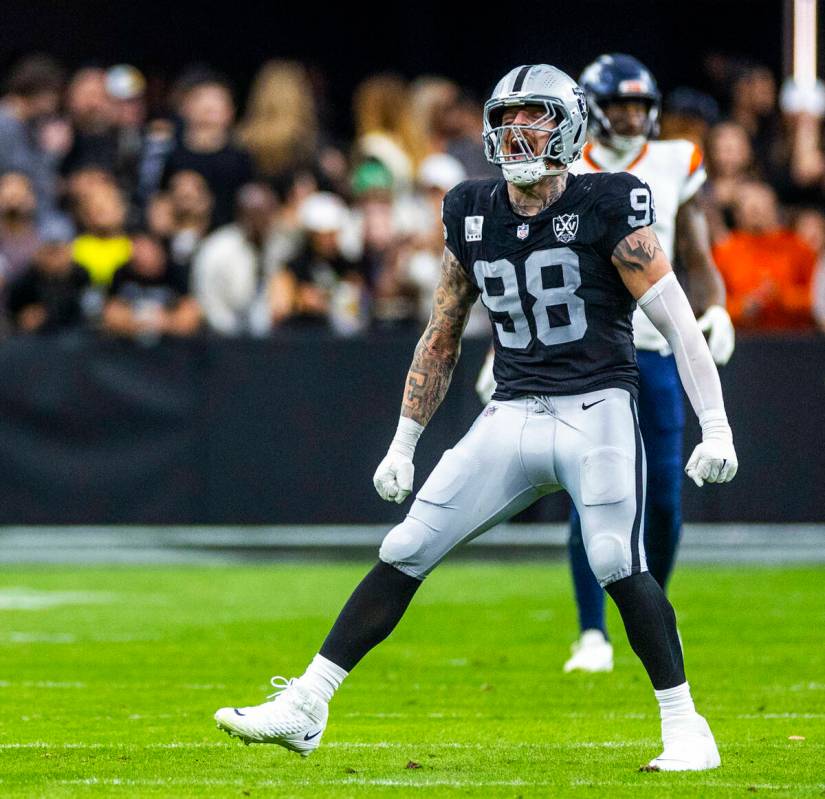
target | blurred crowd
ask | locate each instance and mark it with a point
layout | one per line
(146, 209)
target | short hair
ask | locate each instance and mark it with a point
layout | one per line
(33, 75)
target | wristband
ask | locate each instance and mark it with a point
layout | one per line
(406, 436)
(715, 426)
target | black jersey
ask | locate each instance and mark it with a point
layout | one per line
(559, 309)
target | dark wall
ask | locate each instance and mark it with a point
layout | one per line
(290, 431)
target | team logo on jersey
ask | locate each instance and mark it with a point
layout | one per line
(565, 227)
(472, 227)
(523, 231)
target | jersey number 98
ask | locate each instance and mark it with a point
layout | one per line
(556, 313)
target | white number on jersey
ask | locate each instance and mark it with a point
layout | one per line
(505, 301)
(639, 201)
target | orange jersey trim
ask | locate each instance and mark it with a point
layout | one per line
(590, 160)
(696, 160)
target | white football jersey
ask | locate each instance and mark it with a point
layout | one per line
(674, 170)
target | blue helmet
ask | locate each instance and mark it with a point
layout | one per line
(618, 77)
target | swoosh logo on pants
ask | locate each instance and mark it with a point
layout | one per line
(585, 406)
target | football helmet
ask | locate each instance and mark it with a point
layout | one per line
(620, 77)
(564, 104)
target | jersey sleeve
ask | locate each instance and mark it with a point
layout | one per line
(452, 215)
(695, 175)
(625, 203)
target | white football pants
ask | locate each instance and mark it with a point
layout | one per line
(517, 451)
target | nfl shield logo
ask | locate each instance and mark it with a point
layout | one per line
(565, 227)
(523, 231)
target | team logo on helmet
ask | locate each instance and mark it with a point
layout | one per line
(565, 227)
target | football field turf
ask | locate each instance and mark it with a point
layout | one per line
(109, 678)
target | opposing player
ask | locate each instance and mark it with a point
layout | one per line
(623, 101)
(558, 260)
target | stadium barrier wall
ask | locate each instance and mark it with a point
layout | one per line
(289, 430)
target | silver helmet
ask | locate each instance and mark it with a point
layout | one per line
(564, 104)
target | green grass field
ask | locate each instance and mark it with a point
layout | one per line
(109, 679)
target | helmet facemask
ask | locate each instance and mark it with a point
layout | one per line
(514, 152)
(623, 144)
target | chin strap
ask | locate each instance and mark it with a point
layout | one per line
(529, 172)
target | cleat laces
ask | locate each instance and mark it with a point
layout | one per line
(280, 684)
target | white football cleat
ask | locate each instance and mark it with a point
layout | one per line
(690, 746)
(592, 652)
(294, 718)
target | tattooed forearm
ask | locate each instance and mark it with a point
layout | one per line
(437, 352)
(637, 250)
(693, 244)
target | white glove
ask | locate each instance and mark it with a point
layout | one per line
(486, 383)
(714, 460)
(393, 479)
(721, 339)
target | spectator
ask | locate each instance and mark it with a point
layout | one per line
(280, 128)
(754, 109)
(420, 264)
(104, 246)
(688, 114)
(432, 102)
(729, 164)
(126, 88)
(465, 143)
(159, 216)
(319, 286)
(385, 128)
(191, 215)
(810, 227)
(82, 184)
(767, 269)
(32, 95)
(49, 294)
(149, 297)
(233, 266)
(206, 147)
(18, 230)
(92, 115)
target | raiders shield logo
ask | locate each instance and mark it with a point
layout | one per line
(523, 231)
(565, 227)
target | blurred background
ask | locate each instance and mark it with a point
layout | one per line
(219, 234)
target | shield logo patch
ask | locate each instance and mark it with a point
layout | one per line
(565, 227)
(523, 231)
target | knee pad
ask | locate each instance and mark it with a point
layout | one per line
(609, 557)
(405, 547)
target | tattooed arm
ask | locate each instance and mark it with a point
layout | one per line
(429, 377)
(641, 261)
(437, 352)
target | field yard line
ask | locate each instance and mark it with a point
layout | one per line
(42, 684)
(382, 745)
(338, 745)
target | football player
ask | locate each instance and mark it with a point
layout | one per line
(624, 104)
(559, 261)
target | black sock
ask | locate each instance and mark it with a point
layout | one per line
(650, 624)
(370, 615)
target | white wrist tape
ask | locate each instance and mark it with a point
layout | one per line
(406, 436)
(666, 305)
